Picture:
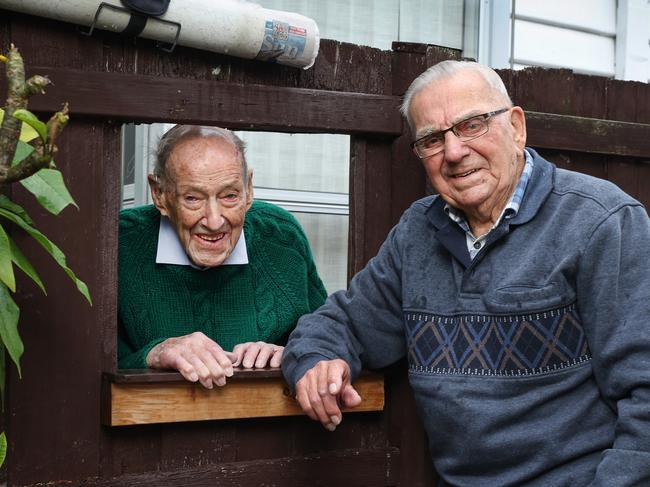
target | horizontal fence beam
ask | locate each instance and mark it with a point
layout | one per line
(590, 135)
(350, 468)
(147, 398)
(140, 98)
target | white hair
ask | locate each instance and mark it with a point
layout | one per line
(446, 69)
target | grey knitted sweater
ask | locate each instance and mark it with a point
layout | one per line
(531, 363)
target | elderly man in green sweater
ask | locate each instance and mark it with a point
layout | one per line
(209, 279)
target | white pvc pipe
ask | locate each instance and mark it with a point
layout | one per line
(233, 27)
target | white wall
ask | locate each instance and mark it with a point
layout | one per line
(575, 34)
(600, 37)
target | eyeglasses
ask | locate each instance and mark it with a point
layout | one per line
(468, 129)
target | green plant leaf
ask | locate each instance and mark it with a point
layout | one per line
(22, 150)
(6, 268)
(7, 204)
(50, 190)
(3, 448)
(32, 120)
(50, 247)
(9, 314)
(26, 132)
(2, 376)
(25, 265)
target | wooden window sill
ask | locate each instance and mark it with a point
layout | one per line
(148, 396)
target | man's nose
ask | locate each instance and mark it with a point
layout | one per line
(213, 216)
(455, 149)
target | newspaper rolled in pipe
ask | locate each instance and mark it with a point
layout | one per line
(234, 27)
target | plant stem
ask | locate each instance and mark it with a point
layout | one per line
(18, 93)
(10, 129)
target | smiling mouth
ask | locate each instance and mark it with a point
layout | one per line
(464, 174)
(210, 238)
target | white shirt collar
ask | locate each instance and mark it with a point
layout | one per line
(171, 251)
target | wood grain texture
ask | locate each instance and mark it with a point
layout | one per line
(146, 98)
(141, 376)
(142, 98)
(157, 402)
(370, 199)
(589, 135)
(380, 468)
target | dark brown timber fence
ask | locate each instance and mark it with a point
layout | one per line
(53, 415)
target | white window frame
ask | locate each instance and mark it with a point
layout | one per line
(633, 40)
(495, 33)
(146, 139)
(632, 57)
(306, 201)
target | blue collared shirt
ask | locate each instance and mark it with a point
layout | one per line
(474, 244)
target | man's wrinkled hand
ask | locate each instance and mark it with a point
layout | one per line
(324, 390)
(257, 355)
(196, 357)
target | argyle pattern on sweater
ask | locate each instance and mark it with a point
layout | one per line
(496, 345)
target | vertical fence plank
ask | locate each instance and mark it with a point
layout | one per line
(630, 102)
(61, 332)
(370, 202)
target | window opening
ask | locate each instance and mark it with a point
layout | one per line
(306, 174)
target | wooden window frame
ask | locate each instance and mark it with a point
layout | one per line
(132, 397)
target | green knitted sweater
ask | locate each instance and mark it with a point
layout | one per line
(232, 304)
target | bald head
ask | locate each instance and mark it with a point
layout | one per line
(179, 133)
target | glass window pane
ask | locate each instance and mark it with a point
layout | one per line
(589, 53)
(308, 174)
(303, 162)
(378, 23)
(602, 13)
(365, 22)
(432, 22)
(328, 236)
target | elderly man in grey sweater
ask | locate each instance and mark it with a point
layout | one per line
(520, 295)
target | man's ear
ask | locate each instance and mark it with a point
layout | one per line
(249, 189)
(157, 194)
(518, 122)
